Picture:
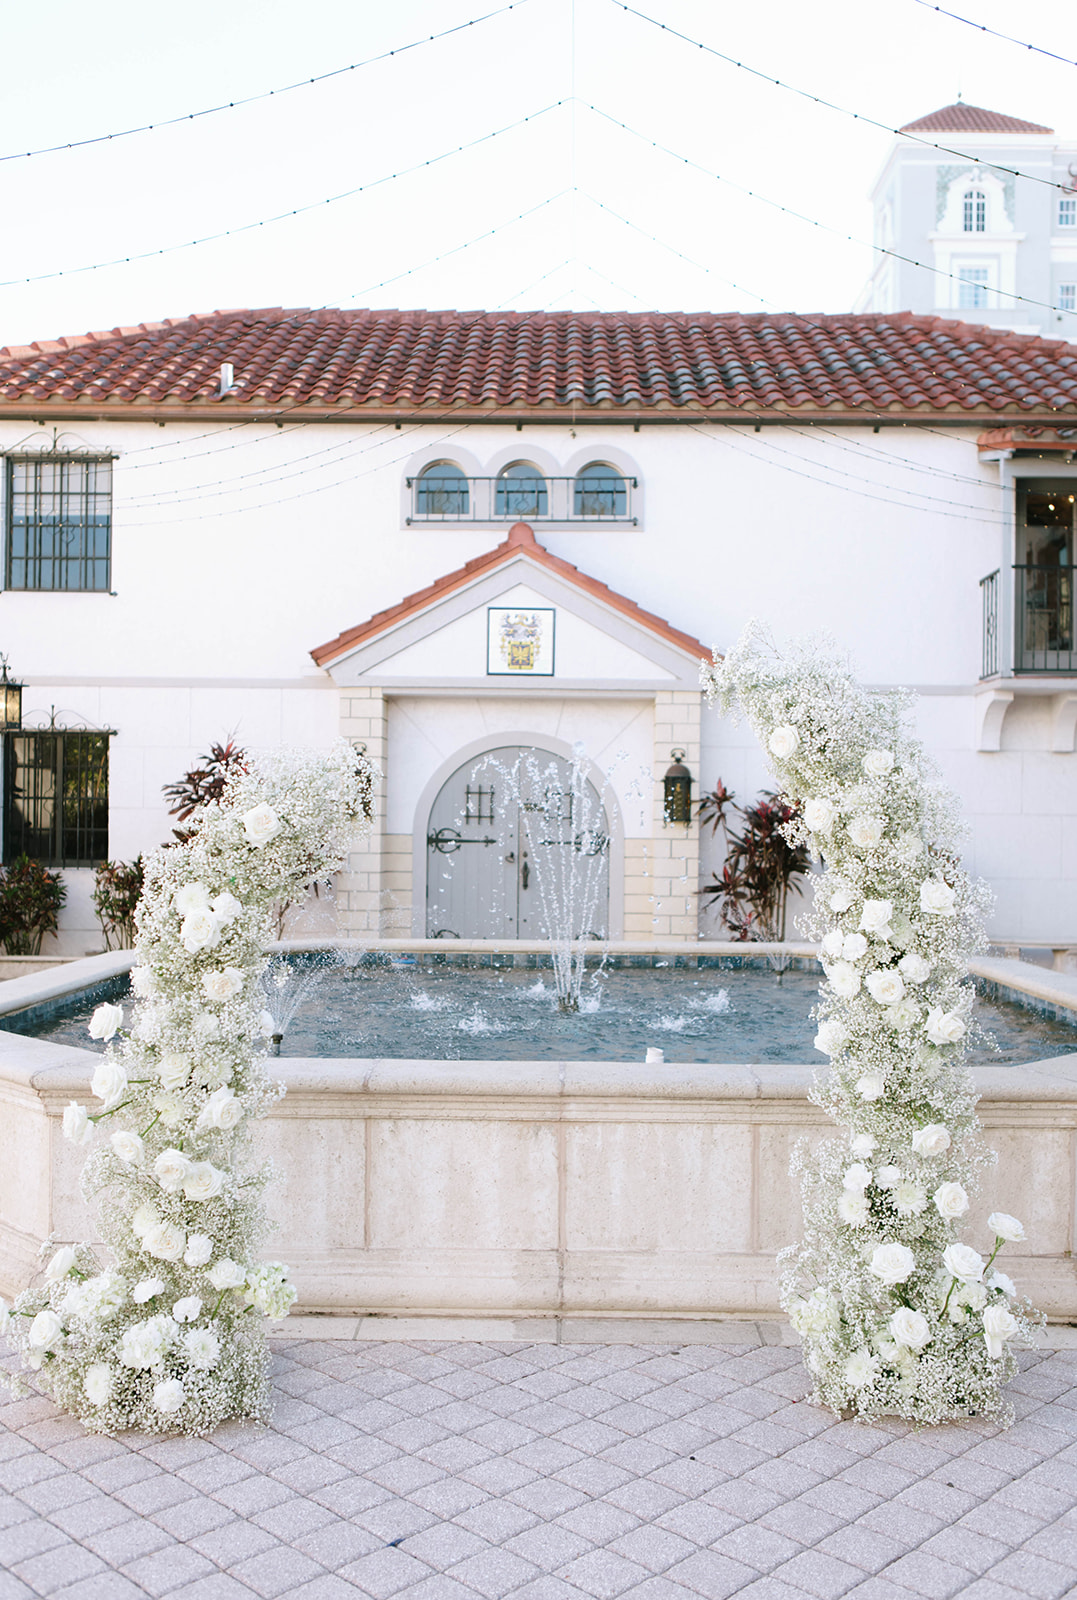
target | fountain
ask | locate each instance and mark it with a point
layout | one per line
(564, 823)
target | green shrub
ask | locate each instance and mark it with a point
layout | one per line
(30, 901)
(117, 891)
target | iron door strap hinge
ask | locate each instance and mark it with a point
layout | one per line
(447, 841)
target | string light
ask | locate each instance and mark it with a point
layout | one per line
(829, 105)
(266, 94)
(296, 211)
(982, 27)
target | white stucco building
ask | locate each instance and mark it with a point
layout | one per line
(976, 217)
(448, 534)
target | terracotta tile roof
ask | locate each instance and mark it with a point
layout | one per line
(960, 118)
(520, 541)
(513, 365)
(1034, 439)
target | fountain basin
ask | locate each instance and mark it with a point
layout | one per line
(520, 1189)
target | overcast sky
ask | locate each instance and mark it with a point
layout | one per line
(74, 71)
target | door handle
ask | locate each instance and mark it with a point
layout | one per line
(511, 856)
(525, 874)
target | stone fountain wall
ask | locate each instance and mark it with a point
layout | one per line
(504, 1189)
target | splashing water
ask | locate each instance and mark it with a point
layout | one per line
(672, 1024)
(479, 1022)
(422, 1001)
(716, 1004)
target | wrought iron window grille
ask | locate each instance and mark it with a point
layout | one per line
(587, 498)
(1043, 622)
(56, 795)
(59, 521)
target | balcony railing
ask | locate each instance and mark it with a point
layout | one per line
(525, 499)
(1043, 638)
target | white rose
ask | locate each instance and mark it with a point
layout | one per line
(1005, 1227)
(944, 1027)
(914, 968)
(886, 986)
(841, 899)
(892, 1263)
(833, 944)
(188, 1309)
(865, 831)
(819, 816)
(223, 984)
(105, 1021)
(887, 1177)
(858, 1176)
(227, 1274)
(962, 1261)
(166, 1242)
(148, 1289)
(76, 1124)
(172, 1169)
(203, 1182)
(174, 1069)
(909, 846)
(937, 898)
(931, 1140)
(999, 1280)
(908, 1197)
(199, 1249)
(169, 1396)
(830, 1038)
(192, 897)
(127, 1145)
(877, 763)
(875, 918)
(143, 982)
(910, 1328)
(206, 1025)
(261, 824)
(854, 946)
(203, 1349)
(222, 1110)
(46, 1330)
(109, 1083)
(950, 1200)
(226, 908)
(973, 1295)
(171, 1110)
(872, 1086)
(783, 741)
(98, 1383)
(1000, 1324)
(266, 1025)
(853, 1208)
(844, 979)
(861, 1369)
(902, 1016)
(864, 1145)
(200, 930)
(60, 1265)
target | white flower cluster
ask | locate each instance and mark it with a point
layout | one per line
(896, 1316)
(164, 1339)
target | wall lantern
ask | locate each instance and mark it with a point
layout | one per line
(10, 702)
(677, 787)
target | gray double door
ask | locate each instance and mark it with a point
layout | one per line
(481, 850)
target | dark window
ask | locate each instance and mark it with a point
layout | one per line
(56, 798)
(442, 491)
(59, 523)
(974, 211)
(600, 492)
(521, 492)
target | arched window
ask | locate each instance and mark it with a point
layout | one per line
(442, 491)
(521, 491)
(600, 491)
(974, 211)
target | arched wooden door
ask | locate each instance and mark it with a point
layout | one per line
(481, 850)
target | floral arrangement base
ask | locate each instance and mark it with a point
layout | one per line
(897, 1316)
(169, 1336)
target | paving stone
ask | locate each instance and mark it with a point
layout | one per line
(52, 1569)
(336, 1543)
(107, 1585)
(277, 1570)
(655, 1548)
(1034, 1575)
(127, 1541)
(711, 1575)
(756, 1546)
(167, 1568)
(384, 1573)
(604, 1574)
(22, 1540)
(214, 1586)
(926, 1575)
(232, 1543)
(444, 1544)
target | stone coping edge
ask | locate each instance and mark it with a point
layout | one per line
(570, 1330)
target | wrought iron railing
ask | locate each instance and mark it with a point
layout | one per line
(1043, 631)
(453, 498)
(989, 606)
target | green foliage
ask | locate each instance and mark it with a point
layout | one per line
(30, 901)
(752, 890)
(117, 891)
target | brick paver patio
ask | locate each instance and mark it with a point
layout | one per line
(451, 1471)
